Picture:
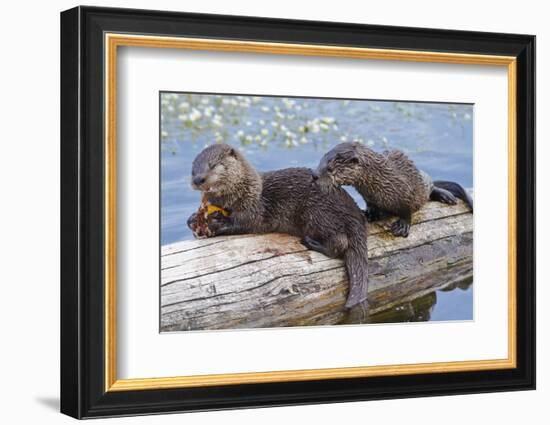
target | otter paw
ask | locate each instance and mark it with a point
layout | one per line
(442, 195)
(315, 245)
(447, 198)
(192, 221)
(218, 224)
(400, 228)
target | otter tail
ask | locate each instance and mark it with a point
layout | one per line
(356, 261)
(457, 190)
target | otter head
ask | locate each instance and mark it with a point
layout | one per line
(340, 166)
(216, 168)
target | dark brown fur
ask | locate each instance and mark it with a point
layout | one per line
(286, 201)
(390, 182)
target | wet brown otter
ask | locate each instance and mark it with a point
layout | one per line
(285, 201)
(390, 182)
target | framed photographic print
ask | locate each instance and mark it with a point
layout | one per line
(261, 212)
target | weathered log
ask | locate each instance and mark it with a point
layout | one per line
(253, 281)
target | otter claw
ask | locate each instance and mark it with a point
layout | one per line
(449, 199)
(192, 221)
(218, 224)
(400, 228)
(315, 245)
(442, 195)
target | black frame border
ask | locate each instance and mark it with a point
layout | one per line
(82, 204)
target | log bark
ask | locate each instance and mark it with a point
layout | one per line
(272, 280)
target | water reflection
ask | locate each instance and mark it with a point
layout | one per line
(454, 302)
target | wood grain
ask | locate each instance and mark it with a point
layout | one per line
(272, 280)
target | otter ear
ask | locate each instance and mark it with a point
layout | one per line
(354, 160)
(232, 152)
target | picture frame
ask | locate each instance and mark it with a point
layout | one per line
(90, 40)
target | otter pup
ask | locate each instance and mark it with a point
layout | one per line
(285, 201)
(389, 182)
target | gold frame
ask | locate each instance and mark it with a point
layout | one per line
(113, 41)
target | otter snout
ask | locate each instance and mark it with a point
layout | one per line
(323, 172)
(206, 182)
(323, 179)
(198, 180)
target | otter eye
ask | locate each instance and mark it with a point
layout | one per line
(353, 160)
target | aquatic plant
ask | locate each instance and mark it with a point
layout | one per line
(263, 121)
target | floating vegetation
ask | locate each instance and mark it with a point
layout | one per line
(248, 120)
(263, 121)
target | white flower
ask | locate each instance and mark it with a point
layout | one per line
(184, 106)
(195, 115)
(264, 131)
(265, 109)
(217, 120)
(289, 103)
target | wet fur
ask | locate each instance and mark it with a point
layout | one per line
(285, 201)
(390, 182)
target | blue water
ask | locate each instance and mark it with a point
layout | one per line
(277, 132)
